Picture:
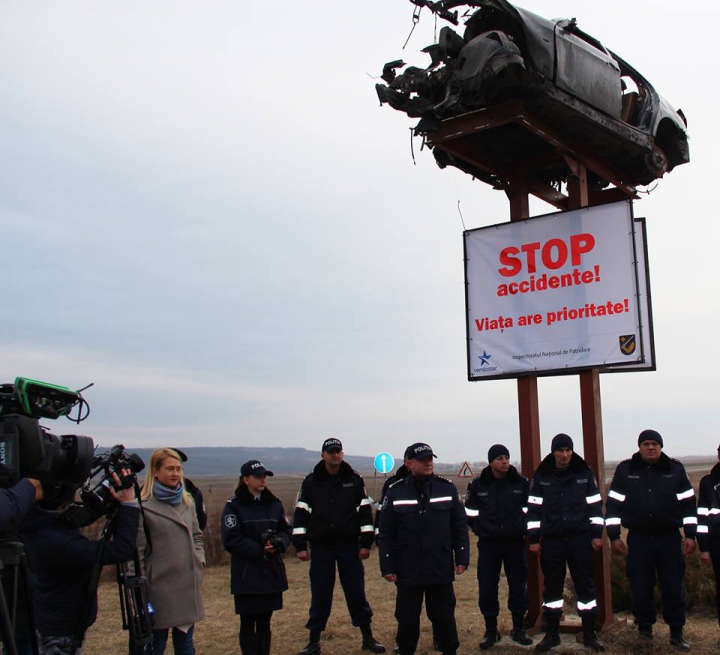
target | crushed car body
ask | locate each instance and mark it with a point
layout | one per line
(563, 75)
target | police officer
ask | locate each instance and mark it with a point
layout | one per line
(496, 503)
(708, 530)
(565, 526)
(333, 513)
(402, 472)
(195, 492)
(423, 542)
(652, 497)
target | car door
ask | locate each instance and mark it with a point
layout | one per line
(585, 69)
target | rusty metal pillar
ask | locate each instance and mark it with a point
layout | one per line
(591, 408)
(517, 190)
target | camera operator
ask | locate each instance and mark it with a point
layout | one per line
(62, 560)
(15, 502)
(18, 501)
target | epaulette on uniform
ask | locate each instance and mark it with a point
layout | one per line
(396, 481)
(477, 477)
(442, 477)
(229, 500)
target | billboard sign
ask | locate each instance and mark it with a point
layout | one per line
(553, 294)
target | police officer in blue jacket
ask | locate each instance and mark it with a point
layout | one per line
(333, 513)
(652, 497)
(565, 525)
(423, 543)
(708, 531)
(496, 504)
(255, 532)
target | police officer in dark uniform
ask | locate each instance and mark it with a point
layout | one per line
(496, 504)
(333, 513)
(565, 526)
(708, 530)
(423, 543)
(402, 472)
(652, 497)
(196, 493)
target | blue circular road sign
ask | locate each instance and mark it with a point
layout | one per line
(384, 462)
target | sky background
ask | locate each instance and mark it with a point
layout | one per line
(205, 212)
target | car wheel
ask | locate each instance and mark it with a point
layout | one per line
(657, 161)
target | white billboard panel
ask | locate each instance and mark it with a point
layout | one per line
(553, 294)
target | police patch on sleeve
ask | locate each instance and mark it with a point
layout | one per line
(230, 520)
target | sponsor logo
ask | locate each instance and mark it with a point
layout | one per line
(230, 521)
(627, 344)
(485, 366)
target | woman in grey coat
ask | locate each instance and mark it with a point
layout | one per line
(173, 559)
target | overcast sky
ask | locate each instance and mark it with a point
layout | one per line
(205, 212)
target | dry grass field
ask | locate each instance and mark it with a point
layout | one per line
(217, 635)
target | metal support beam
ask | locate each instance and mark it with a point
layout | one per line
(516, 188)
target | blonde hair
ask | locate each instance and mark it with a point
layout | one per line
(156, 461)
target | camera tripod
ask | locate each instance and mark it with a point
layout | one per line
(14, 578)
(132, 588)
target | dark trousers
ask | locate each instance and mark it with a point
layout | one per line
(182, 641)
(492, 555)
(715, 557)
(323, 559)
(660, 556)
(440, 606)
(574, 550)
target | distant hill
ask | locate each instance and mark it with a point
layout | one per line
(227, 461)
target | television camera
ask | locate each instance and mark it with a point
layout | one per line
(63, 464)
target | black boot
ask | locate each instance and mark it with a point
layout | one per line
(492, 636)
(313, 646)
(248, 644)
(552, 634)
(519, 636)
(368, 641)
(590, 638)
(263, 643)
(677, 638)
(645, 631)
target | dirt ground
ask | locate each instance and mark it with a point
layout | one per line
(217, 635)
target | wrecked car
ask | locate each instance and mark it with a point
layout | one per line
(565, 76)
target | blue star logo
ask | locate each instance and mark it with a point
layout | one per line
(484, 358)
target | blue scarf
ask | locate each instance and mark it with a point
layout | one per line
(168, 495)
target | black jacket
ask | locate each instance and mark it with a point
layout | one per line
(709, 508)
(496, 507)
(244, 520)
(423, 528)
(62, 560)
(14, 503)
(333, 509)
(651, 498)
(400, 474)
(197, 496)
(562, 501)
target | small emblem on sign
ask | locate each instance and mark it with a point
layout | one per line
(627, 344)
